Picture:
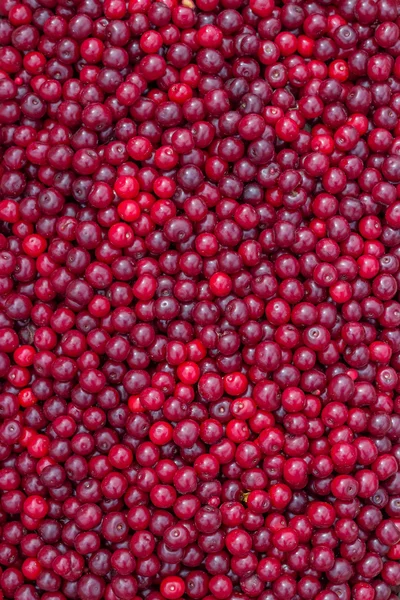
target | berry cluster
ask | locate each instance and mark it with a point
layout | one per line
(199, 299)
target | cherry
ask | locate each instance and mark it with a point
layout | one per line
(199, 275)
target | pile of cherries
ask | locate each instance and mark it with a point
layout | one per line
(199, 299)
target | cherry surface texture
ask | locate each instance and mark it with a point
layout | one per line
(199, 299)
